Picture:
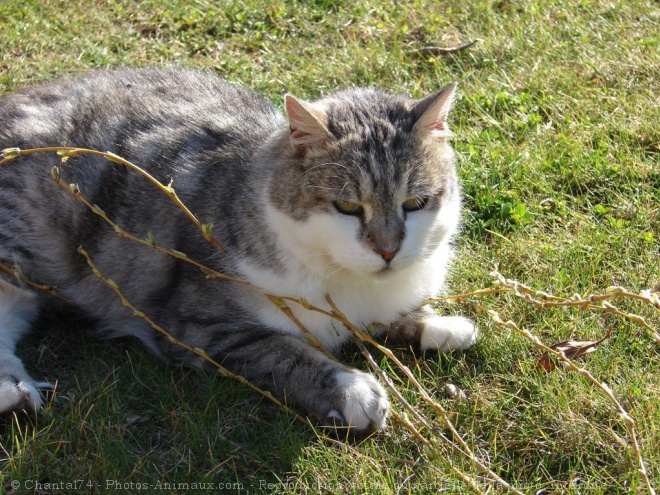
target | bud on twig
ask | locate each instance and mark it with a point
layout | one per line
(207, 229)
(10, 153)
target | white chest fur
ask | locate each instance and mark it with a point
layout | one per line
(362, 300)
(310, 253)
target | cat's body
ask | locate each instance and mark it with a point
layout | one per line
(354, 196)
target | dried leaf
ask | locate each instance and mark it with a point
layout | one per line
(572, 349)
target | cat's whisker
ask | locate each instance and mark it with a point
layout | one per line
(326, 164)
(335, 164)
(327, 276)
(327, 188)
(342, 190)
(360, 174)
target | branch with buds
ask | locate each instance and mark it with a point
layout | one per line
(433, 441)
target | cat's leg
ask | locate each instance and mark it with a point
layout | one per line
(18, 390)
(329, 390)
(431, 332)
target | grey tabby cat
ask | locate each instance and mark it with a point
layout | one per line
(354, 195)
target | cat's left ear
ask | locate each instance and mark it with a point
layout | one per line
(431, 113)
(307, 122)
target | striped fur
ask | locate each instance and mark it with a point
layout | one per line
(273, 188)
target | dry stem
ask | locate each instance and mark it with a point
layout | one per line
(15, 272)
(149, 241)
(428, 51)
(527, 294)
(364, 337)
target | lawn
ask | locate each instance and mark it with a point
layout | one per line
(557, 128)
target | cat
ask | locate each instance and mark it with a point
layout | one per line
(354, 195)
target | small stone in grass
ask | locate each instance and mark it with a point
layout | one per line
(453, 392)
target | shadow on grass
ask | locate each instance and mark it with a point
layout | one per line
(121, 416)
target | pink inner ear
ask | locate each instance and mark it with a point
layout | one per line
(301, 122)
(291, 111)
(297, 134)
(439, 129)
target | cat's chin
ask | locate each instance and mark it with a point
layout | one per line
(380, 274)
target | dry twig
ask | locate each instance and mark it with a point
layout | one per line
(15, 271)
(528, 294)
(525, 293)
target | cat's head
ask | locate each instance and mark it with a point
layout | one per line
(366, 181)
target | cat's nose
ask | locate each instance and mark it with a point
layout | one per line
(387, 255)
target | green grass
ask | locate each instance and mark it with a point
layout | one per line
(557, 130)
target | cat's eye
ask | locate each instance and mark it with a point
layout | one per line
(348, 207)
(414, 204)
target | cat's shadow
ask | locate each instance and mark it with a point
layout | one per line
(114, 401)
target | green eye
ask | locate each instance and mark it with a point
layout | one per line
(348, 207)
(414, 204)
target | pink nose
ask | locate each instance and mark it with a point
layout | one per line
(387, 255)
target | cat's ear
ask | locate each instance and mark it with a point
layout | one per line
(307, 122)
(431, 113)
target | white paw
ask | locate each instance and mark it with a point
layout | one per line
(18, 394)
(365, 405)
(448, 333)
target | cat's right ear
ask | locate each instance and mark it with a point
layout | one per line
(306, 121)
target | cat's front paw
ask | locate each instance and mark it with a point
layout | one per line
(448, 333)
(364, 405)
(19, 393)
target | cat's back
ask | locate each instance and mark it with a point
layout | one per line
(190, 128)
(120, 109)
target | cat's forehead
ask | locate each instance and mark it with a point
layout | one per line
(367, 112)
(372, 132)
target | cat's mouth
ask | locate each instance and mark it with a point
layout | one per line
(385, 271)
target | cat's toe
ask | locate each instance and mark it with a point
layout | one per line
(448, 333)
(17, 394)
(364, 404)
